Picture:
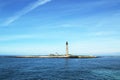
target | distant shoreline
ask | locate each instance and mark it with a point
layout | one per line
(47, 56)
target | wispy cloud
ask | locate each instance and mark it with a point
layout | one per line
(25, 10)
(19, 37)
(69, 25)
(15, 37)
(103, 33)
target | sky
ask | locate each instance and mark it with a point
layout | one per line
(41, 27)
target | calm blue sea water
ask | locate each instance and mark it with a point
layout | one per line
(106, 68)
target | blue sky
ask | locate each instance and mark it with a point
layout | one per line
(38, 27)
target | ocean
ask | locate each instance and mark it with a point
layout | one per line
(104, 68)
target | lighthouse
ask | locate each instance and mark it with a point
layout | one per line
(67, 52)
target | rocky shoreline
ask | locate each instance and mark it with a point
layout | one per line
(53, 56)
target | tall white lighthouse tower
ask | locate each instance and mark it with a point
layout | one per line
(67, 52)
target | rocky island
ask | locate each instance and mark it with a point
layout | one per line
(67, 55)
(72, 56)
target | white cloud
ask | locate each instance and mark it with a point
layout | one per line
(25, 10)
(103, 33)
(95, 46)
(32, 49)
(27, 36)
(15, 37)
